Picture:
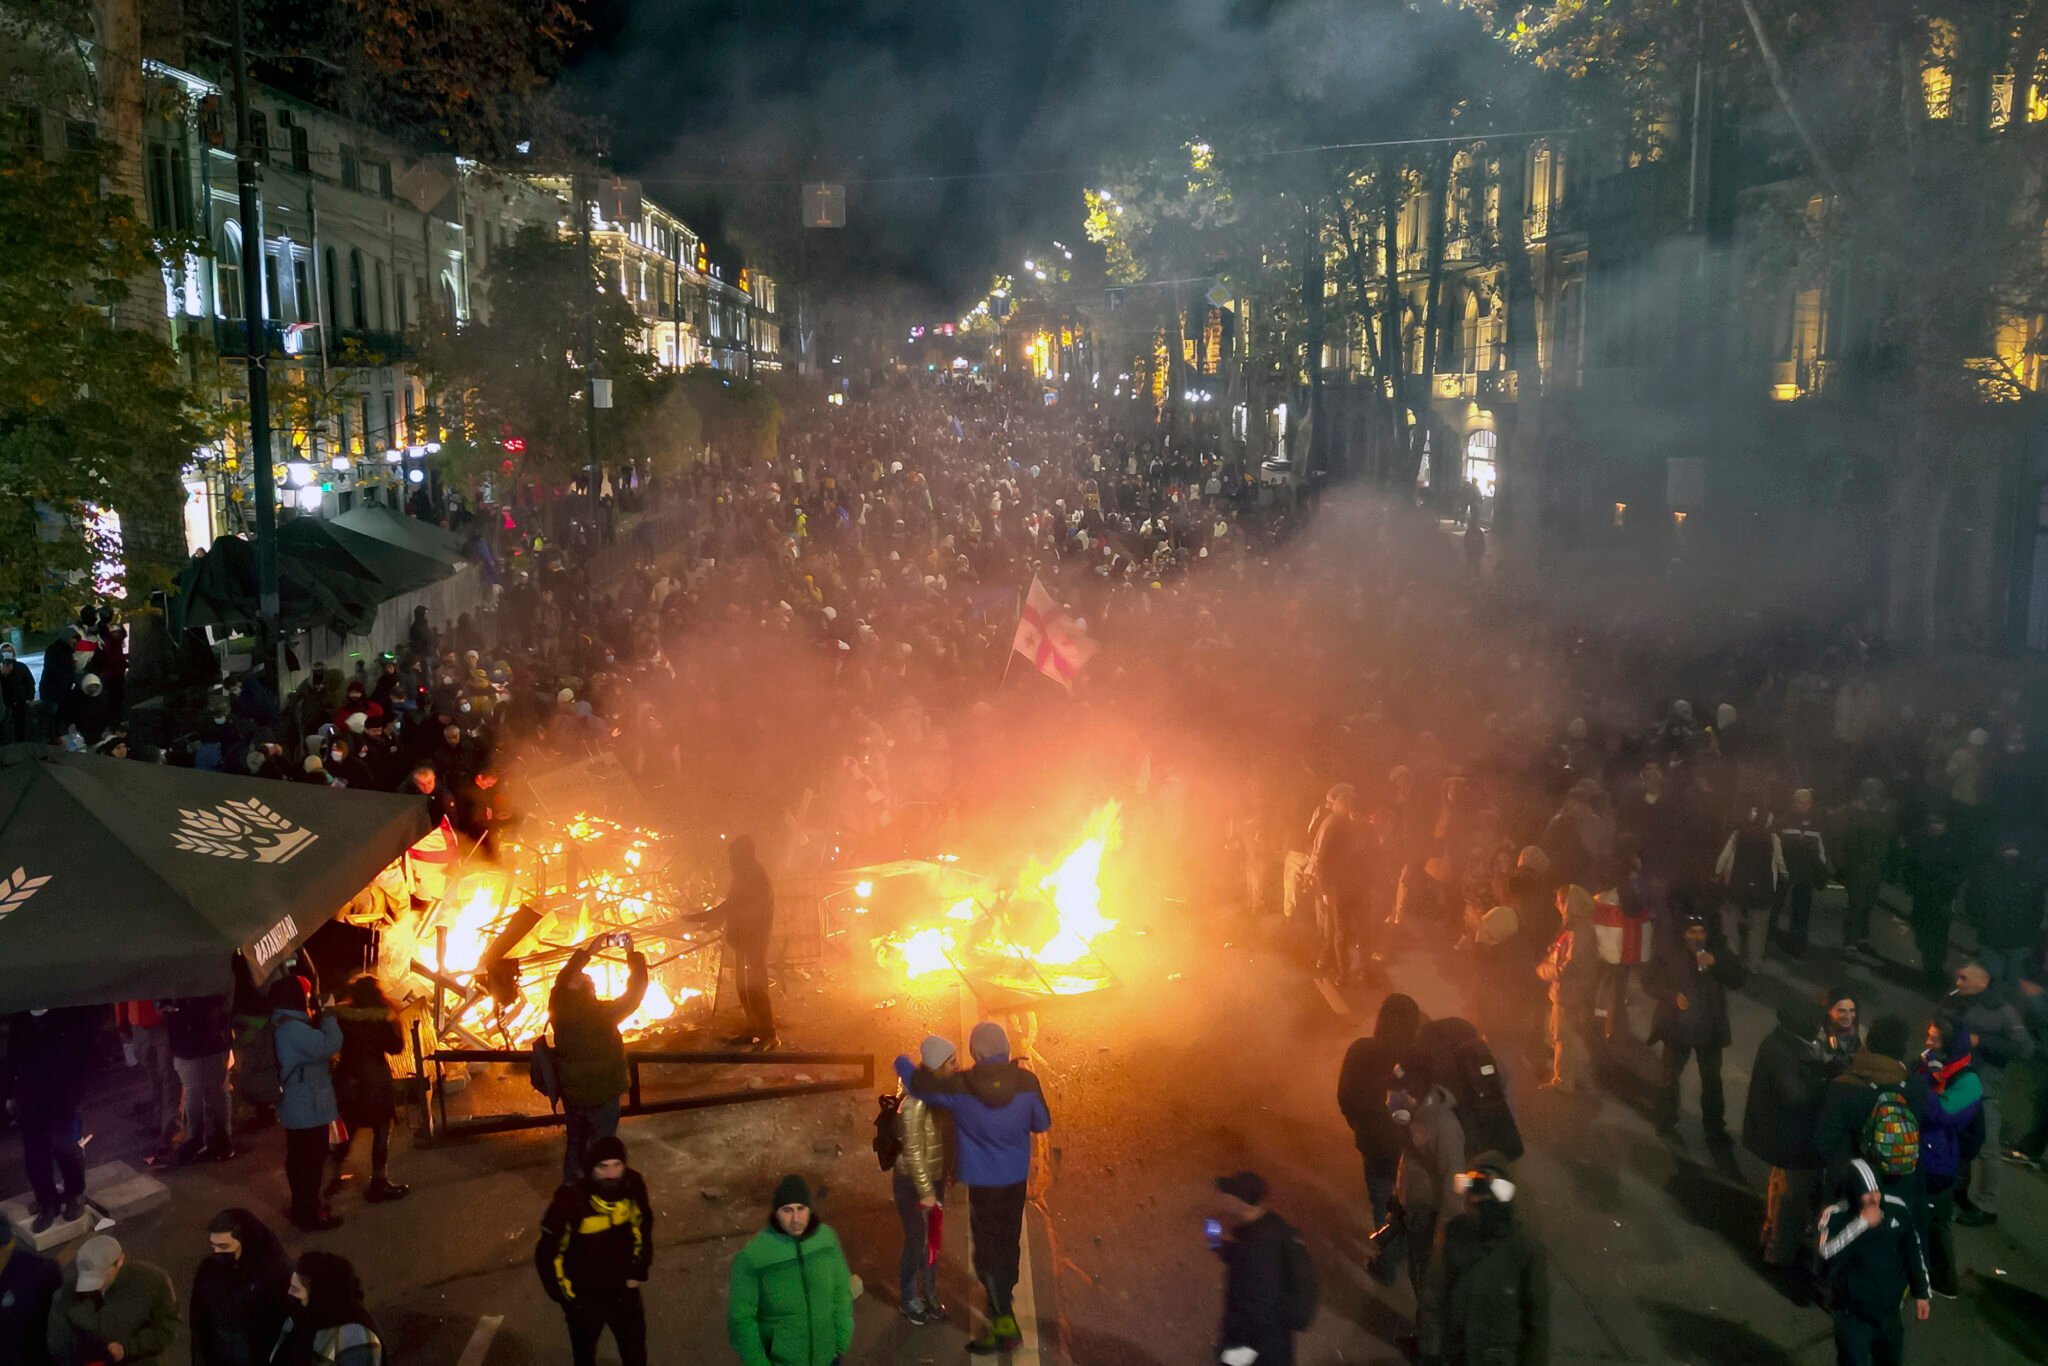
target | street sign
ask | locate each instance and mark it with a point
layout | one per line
(824, 206)
(1113, 300)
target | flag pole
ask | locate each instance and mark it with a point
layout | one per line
(1012, 652)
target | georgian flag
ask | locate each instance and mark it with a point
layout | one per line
(1048, 637)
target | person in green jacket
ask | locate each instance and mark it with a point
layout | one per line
(792, 1295)
(114, 1310)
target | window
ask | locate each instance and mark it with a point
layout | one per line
(24, 128)
(383, 295)
(167, 185)
(227, 271)
(411, 421)
(384, 179)
(1482, 451)
(403, 283)
(302, 152)
(302, 290)
(351, 172)
(448, 294)
(357, 314)
(259, 135)
(331, 286)
(80, 135)
(272, 269)
(390, 432)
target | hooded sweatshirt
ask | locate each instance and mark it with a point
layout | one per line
(996, 1106)
(1368, 1075)
(1786, 1085)
(1572, 967)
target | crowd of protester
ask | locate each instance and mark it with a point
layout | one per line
(1519, 789)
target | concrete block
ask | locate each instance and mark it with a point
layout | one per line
(107, 1174)
(138, 1195)
(20, 1212)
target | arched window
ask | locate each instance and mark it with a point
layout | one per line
(1468, 333)
(330, 283)
(383, 298)
(358, 316)
(1482, 449)
(227, 271)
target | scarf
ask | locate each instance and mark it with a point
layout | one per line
(1943, 1073)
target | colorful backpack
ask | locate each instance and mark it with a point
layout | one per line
(1891, 1135)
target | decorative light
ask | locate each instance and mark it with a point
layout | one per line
(301, 473)
(433, 448)
(339, 462)
(393, 457)
(416, 476)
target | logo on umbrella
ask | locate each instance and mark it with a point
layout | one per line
(246, 830)
(16, 888)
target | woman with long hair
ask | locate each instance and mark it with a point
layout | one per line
(328, 1324)
(363, 1087)
(239, 1292)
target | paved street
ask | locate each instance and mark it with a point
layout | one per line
(1206, 1059)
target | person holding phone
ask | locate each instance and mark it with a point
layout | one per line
(1269, 1289)
(590, 1054)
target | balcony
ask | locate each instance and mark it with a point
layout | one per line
(288, 340)
(369, 346)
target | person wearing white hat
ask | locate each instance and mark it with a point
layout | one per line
(114, 1310)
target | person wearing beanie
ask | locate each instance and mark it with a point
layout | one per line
(1691, 980)
(1779, 1116)
(595, 1249)
(1489, 1294)
(791, 1300)
(997, 1105)
(1947, 1095)
(1848, 1100)
(923, 1167)
(1269, 1286)
(1870, 1245)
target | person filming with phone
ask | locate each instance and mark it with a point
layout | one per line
(590, 1055)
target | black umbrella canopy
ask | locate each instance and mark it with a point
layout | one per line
(122, 880)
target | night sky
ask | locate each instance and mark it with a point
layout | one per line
(842, 90)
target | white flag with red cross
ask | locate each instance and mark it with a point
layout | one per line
(1050, 639)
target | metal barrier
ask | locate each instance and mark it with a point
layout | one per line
(439, 1126)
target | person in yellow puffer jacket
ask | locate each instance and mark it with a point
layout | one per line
(924, 1167)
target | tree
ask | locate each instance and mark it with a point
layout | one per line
(520, 375)
(94, 418)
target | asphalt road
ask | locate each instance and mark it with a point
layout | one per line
(1216, 1052)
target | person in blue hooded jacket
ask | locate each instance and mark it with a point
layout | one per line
(1947, 1097)
(997, 1106)
(306, 1041)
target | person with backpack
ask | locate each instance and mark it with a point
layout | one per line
(306, 1040)
(588, 1054)
(914, 1141)
(1864, 1114)
(1489, 1302)
(1269, 1286)
(997, 1105)
(1786, 1083)
(1458, 1056)
(1362, 1086)
(595, 1250)
(1871, 1248)
(1691, 981)
(1948, 1101)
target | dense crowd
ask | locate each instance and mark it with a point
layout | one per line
(1341, 720)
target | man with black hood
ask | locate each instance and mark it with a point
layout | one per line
(595, 1249)
(1489, 1300)
(17, 697)
(1362, 1086)
(748, 914)
(1778, 1119)
(1269, 1287)
(1871, 1247)
(997, 1106)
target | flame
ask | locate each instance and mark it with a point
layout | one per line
(997, 935)
(469, 911)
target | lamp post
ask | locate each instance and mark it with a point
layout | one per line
(250, 212)
(590, 378)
